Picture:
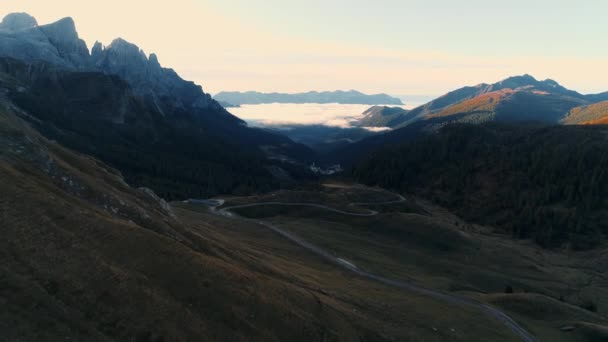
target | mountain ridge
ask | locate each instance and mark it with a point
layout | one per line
(514, 99)
(520, 83)
(59, 43)
(338, 96)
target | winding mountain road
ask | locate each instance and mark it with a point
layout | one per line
(486, 309)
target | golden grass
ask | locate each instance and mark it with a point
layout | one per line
(483, 103)
(594, 114)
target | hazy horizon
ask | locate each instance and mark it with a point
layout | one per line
(394, 47)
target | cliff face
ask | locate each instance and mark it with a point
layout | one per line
(18, 21)
(59, 44)
(147, 77)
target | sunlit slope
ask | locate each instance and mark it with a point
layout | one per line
(594, 114)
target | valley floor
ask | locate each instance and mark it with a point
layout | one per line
(414, 242)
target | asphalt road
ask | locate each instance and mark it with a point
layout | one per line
(486, 309)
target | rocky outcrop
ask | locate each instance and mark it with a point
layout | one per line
(63, 36)
(59, 44)
(147, 77)
(18, 21)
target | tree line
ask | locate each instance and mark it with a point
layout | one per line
(548, 183)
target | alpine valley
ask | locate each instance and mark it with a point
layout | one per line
(135, 207)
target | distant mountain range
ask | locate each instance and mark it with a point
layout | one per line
(515, 99)
(121, 106)
(519, 98)
(342, 97)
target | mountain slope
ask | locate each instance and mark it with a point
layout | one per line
(520, 98)
(512, 105)
(56, 43)
(179, 156)
(515, 99)
(596, 113)
(88, 258)
(343, 97)
(533, 181)
(383, 116)
(598, 97)
(151, 81)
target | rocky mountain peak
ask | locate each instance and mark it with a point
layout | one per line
(154, 60)
(59, 44)
(62, 30)
(518, 81)
(551, 83)
(64, 37)
(18, 21)
(97, 52)
(125, 48)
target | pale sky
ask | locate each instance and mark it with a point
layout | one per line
(400, 47)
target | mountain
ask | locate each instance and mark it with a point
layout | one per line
(519, 98)
(227, 105)
(515, 99)
(598, 97)
(383, 116)
(124, 108)
(148, 79)
(59, 44)
(178, 156)
(342, 97)
(596, 113)
(18, 21)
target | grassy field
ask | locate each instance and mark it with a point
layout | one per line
(395, 314)
(419, 242)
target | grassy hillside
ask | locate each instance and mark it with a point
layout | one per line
(510, 105)
(595, 114)
(420, 242)
(483, 103)
(86, 257)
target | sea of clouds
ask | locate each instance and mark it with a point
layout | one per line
(274, 114)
